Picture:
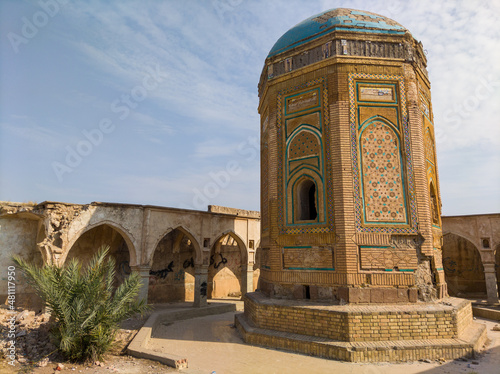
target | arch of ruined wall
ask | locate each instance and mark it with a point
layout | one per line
(185, 231)
(60, 225)
(463, 267)
(236, 268)
(483, 231)
(126, 235)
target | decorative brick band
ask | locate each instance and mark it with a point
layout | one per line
(336, 278)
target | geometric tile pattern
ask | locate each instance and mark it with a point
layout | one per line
(381, 166)
(406, 159)
(304, 144)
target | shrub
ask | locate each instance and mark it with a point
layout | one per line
(86, 307)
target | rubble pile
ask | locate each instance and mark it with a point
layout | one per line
(32, 341)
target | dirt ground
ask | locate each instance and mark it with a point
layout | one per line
(112, 364)
(36, 354)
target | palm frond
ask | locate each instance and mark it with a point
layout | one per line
(84, 302)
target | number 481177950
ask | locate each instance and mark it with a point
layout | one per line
(11, 286)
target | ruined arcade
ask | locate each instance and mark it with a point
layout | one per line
(180, 254)
(351, 237)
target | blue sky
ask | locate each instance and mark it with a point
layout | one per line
(155, 102)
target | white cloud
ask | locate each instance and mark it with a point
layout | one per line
(151, 127)
(31, 133)
(212, 62)
(214, 147)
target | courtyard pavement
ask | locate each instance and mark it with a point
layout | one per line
(212, 344)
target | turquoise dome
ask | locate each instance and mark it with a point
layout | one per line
(333, 20)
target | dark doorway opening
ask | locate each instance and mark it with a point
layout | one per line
(307, 198)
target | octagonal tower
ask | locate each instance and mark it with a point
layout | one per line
(350, 204)
(349, 189)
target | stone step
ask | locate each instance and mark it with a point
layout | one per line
(486, 312)
(469, 342)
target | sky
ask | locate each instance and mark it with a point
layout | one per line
(155, 102)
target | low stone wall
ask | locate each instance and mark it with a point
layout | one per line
(360, 323)
(400, 351)
(488, 313)
(464, 316)
(370, 333)
(263, 313)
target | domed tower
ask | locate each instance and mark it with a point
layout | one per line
(350, 203)
(349, 190)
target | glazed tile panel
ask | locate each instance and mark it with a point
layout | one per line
(381, 168)
(381, 155)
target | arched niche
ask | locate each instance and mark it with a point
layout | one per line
(305, 197)
(127, 237)
(435, 216)
(227, 267)
(172, 269)
(306, 201)
(93, 239)
(463, 267)
(198, 256)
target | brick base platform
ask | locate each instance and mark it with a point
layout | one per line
(369, 333)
